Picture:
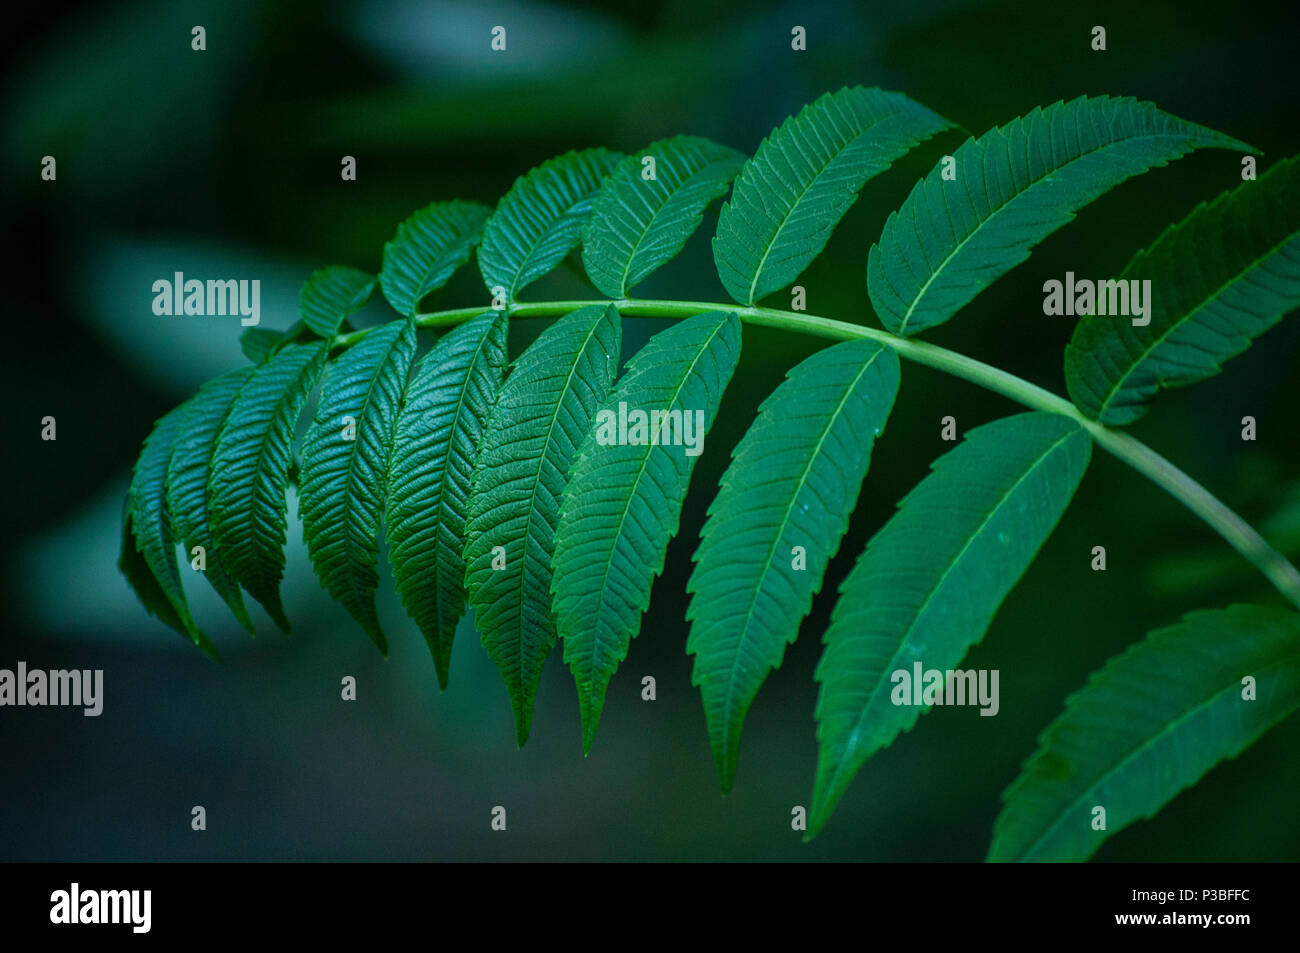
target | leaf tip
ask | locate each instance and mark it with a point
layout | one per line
(726, 768)
(275, 610)
(370, 624)
(817, 819)
(589, 725)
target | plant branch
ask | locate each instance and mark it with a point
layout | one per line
(1236, 531)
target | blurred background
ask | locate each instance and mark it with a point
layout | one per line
(225, 163)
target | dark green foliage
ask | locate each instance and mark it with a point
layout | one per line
(523, 490)
(187, 481)
(637, 224)
(541, 218)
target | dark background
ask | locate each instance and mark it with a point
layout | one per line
(226, 163)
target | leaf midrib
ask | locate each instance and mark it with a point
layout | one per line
(422, 288)
(333, 308)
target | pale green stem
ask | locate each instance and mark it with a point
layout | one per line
(1238, 533)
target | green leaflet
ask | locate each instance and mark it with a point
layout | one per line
(330, 295)
(151, 527)
(794, 191)
(436, 439)
(249, 474)
(427, 249)
(1149, 724)
(1014, 186)
(637, 224)
(141, 579)
(187, 482)
(624, 499)
(258, 343)
(345, 467)
(1219, 278)
(793, 481)
(928, 584)
(541, 218)
(540, 416)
